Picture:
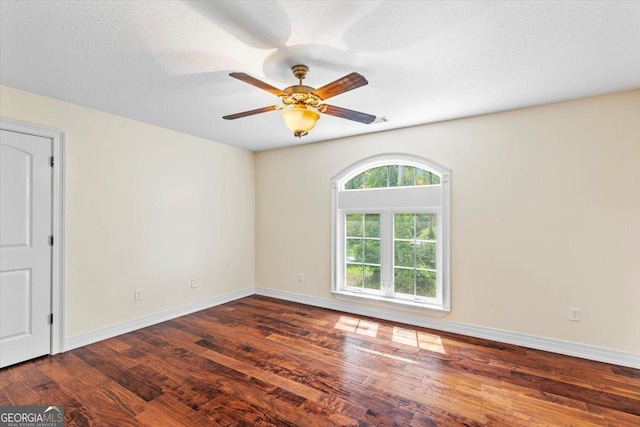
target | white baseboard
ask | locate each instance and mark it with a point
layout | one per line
(568, 348)
(142, 322)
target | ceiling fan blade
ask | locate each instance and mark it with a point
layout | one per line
(345, 84)
(257, 83)
(249, 113)
(344, 113)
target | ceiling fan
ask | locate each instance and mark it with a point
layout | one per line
(301, 105)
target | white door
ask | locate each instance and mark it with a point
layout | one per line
(25, 247)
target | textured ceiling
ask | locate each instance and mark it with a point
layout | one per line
(167, 62)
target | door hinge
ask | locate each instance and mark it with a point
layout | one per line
(51, 240)
(51, 161)
(51, 319)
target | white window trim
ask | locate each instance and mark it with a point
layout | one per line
(442, 209)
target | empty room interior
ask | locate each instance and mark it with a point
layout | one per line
(341, 213)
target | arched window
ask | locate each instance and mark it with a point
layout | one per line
(390, 228)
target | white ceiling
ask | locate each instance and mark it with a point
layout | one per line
(167, 62)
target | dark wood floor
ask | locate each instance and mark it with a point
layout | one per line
(260, 362)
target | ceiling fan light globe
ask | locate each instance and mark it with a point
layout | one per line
(300, 119)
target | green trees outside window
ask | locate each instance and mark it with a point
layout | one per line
(363, 251)
(392, 176)
(414, 248)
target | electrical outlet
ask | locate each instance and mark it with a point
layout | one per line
(137, 294)
(300, 277)
(194, 284)
(574, 314)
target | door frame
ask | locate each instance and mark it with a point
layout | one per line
(57, 223)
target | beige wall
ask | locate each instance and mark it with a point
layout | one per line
(145, 208)
(545, 215)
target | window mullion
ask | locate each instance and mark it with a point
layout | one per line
(415, 256)
(362, 244)
(386, 246)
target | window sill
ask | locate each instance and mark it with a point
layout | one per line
(392, 303)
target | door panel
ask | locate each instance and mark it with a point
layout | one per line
(15, 227)
(25, 251)
(16, 288)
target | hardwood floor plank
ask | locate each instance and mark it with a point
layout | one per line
(259, 361)
(123, 398)
(176, 411)
(538, 406)
(157, 415)
(313, 352)
(78, 415)
(266, 376)
(101, 351)
(21, 394)
(13, 374)
(331, 403)
(4, 399)
(230, 411)
(107, 410)
(262, 400)
(623, 371)
(50, 392)
(116, 344)
(614, 418)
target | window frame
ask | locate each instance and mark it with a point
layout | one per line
(439, 258)
(441, 304)
(363, 289)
